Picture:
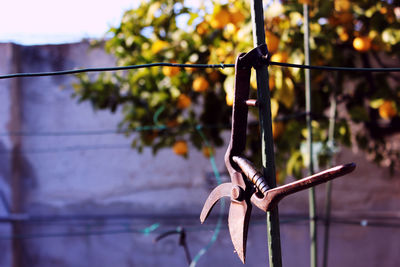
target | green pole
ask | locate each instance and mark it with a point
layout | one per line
(311, 196)
(328, 188)
(267, 143)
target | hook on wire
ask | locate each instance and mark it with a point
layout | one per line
(182, 240)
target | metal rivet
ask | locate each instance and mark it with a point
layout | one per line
(237, 193)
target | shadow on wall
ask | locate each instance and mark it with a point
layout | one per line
(5, 174)
(17, 177)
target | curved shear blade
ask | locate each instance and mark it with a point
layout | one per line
(223, 190)
(238, 221)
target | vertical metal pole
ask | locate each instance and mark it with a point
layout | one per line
(267, 144)
(328, 188)
(311, 197)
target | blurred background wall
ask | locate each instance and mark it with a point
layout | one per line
(73, 193)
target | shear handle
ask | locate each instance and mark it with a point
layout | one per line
(250, 171)
(273, 196)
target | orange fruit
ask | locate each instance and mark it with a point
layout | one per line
(271, 83)
(277, 129)
(200, 84)
(183, 101)
(344, 36)
(202, 28)
(220, 19)
(387, 110)
(362, 44)
(308, 2)
(180, 147)
(236, 17)
(207, 151)
(170, 71)
(272, 41)
(342, 5)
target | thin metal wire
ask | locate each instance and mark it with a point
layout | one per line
(313, 67)
(145, 231)
(156, 228)
(199, 66)
(104, 69)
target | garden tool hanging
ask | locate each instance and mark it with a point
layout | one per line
(248, 185)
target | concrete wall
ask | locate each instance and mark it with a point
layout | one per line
(54, 178)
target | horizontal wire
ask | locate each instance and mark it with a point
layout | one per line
(301, 66)
(144, 231)
(127, 230)
(35, 218)
(201, 66)
(154, 228)
(32, 218)
(366, 223)
(130, 67)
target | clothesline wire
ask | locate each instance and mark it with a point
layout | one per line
(199, 66)
(155, 228)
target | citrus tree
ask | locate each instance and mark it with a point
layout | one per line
(174, 101)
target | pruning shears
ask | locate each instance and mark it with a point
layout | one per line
(248, 186)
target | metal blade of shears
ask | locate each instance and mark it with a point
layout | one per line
(223, 190)
(238, 221)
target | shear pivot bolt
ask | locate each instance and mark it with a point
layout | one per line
(237, 193)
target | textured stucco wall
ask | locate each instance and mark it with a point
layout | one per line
(6, 66)
(65, 175)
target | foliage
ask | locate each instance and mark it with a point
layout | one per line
(344, 33)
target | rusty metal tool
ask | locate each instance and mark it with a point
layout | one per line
(248, 185)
